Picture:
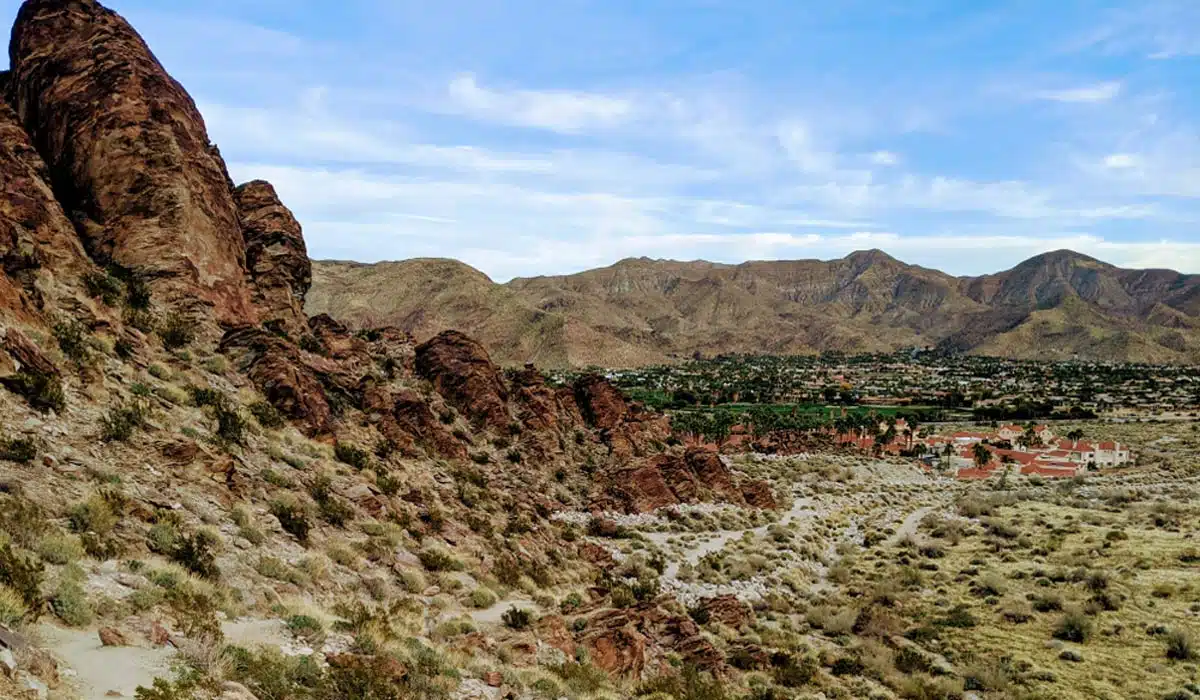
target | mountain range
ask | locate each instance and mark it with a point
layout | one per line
(1058, 305)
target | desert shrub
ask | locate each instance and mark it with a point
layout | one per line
(103, 286)
(690, 684)
(333, 510)
(60, 549)
(70, 604)
(437, 559)
(352, 455)
(292, 516)
(513, 455)
(231, 424)
(176, 331)
(1047, 602)
(305, 627)
(95, 514)
(959, 616)
(622, 596)
(516, 618)
(388, 485)
(21, 574)
(72, 338)
(267, 415)
(22, 519)
(20, 450)
(1180, 646)
(195, 553)
(12, 607)
(791, 672)
(481, 457)
(1074, 626)
(43, 392)
(482, 598)
(121, 421)
(205, 396)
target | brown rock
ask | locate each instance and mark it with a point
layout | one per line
(462, 372)
(41, 259)
(25, 354)
(276, 257)
(381, 666)
(758, 494)
(728, 610)
(159, 636)
(493, 678)
(112, 637)
(552, 629)
(130, 155)
(235, 691)
(278, 370)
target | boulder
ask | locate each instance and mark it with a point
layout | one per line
(462, 372)
(112, 637)
(130, 156)
(728, 610)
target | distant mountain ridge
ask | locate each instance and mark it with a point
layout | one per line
(639, 311)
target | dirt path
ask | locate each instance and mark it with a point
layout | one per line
(99, 669)
(910, 525)
(494, 614)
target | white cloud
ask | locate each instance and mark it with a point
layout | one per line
(557, 110)
(804, 150)
(1120, 161)
(885, 158)
(1099, 92)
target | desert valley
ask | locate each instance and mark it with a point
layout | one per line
(230, 472)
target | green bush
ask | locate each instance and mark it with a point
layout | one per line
(22, 574)
(195, 553)
(96, 515)
(305, 627)
(1074, 626)
(333, 510)
(293, 517)
(70, 604)
(516, 618)
(205, 396)
(20, 450)
(103, 286)
(231, 425)
(12, 607)
(121, 421)
(72, 338)
(267, 415)
(1180, 646)
(177, 331)
(437, 559)
(482, 598)
(43, 392)
(353, 455)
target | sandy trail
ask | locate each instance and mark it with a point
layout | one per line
(494, 614)
(99, 669)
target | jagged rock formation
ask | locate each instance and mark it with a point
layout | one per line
(130, 158)
(640, 311)
(275, 256)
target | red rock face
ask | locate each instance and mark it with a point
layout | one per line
(41, 259)
(462, 372)
(632, 641)
(129, 154)
(277, 368)
(602, 404)
(671, 478)
(275, 256)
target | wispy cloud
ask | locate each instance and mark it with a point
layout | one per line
(1099, 92)
(557, 110)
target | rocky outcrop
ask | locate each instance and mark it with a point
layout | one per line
(671, 478)
(634, 642)
(407, 421)
(41, 260)
(627, 428)
(129, 154)
(275, 257)
(278, 369)
(461, 371)
(727, 610)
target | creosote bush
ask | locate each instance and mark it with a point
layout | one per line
(267, 415)
(43, 392)
(20, 450)
(353, 455)
(292, 516)
(119, 424)
(177, 331)
(516, 618)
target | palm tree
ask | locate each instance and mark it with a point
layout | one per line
(1075, 435)
(981, 454)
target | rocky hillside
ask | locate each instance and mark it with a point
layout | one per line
(1055, 306)
(193, 470)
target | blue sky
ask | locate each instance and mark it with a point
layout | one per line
(534, 137)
